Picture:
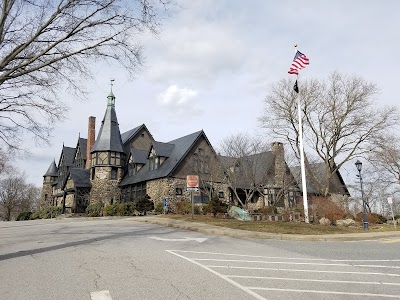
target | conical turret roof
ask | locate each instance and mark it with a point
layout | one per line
(109, 137)
(52, 170)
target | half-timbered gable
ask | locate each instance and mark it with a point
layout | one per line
(80, 154)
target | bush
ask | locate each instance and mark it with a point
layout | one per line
(110, 210)
(183, 208)
(325, 208)
(94, 210)
(159, 208)
(46, 213)
(197, 209)
(144, 205)
(24, 216)
(215, 206)
(372, 218)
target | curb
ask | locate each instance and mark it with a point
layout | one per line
(216, 230)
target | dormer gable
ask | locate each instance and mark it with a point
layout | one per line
(158, 153)
(137, 159)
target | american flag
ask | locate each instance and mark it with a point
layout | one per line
(299, 62)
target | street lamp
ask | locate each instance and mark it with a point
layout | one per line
(365, 220)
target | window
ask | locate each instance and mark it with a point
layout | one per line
(93, 173)
(203, 199)
(178, 191)
(154, 160)
(221, 195)
(114, 173)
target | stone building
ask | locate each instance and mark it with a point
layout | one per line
(125, 167)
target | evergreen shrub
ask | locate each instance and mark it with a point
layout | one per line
(94, 210)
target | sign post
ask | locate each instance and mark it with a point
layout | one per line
(192, 184)
(390, 201)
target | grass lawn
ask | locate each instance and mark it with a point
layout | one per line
(280, 227)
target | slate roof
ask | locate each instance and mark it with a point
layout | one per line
(313, 187)
(130, 133)
(181, 147)
(80, 177)
(83, 144)
(109, 137)
(69, 156)
(262, 164)
(163, 149)
(52, 170)
(139, 156)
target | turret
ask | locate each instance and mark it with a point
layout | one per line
(107, 158)
(47, 190)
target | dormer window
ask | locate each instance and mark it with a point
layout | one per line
(154, 160)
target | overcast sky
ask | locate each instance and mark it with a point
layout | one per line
(212, 64)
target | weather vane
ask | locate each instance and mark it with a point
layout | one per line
(112, 83)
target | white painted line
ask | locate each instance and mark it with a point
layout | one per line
(272, 262)
(243, 288)
(300, 270)
(288, 258)
(314, 280)
(185, 239)
(324, 292)
(101, 295)
(293, 263)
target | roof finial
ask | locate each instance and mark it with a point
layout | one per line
(112, 83)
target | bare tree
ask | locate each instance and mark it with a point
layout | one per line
(253, 170)
(384, 155)
(47, 45)
(340, 119)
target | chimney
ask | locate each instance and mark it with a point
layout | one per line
(280, 165)
(90, 139)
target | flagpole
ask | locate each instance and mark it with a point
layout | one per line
(302, 164)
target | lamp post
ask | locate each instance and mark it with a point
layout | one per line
(365, 220)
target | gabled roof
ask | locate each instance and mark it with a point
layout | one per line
(181, 148)
(109, 137)
(313, 187)
(259, 168)
(83, 145)
(69, 156)
(163, 149)
(139, 156)
(52, 170)
(126, 136)
(80, 177)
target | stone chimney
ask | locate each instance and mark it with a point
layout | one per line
(90, 140)
(280, 165)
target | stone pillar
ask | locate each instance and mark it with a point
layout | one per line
(91, 139)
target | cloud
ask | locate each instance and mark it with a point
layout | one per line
(179, 100)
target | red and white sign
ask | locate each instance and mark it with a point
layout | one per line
(192, 181)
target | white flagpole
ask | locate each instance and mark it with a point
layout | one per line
(302, 164)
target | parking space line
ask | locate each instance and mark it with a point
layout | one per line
(324, 292)
(313, 280)
(227, 261)
(245, 289)
(304, 270)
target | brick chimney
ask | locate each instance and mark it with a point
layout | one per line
(91, 139)
(280, 165)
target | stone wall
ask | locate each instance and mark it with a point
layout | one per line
(165, 188)
(105, 190)
(47, 195)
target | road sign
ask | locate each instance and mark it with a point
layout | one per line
(165, 202)
(192, 181)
